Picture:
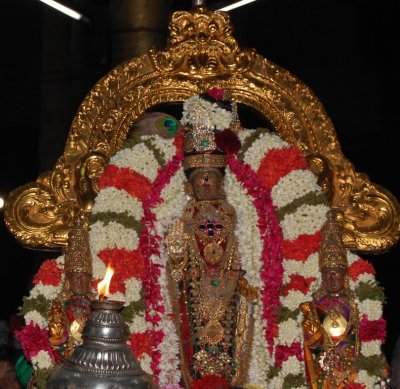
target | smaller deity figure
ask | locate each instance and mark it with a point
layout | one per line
(331, 321)
(71, 308)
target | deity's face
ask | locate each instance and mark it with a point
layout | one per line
(206, 184)
(79, 283)
(333, 278)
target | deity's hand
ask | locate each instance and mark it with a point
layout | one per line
(176, 240)
(310, 323)
(58, 334)
(176, 243)
(248, 291)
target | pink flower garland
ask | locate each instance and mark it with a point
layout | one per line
(271, 235)
(149, 244)
(34, 339)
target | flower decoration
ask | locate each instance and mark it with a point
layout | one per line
(280, 210)
(217, 94)
(227, 141)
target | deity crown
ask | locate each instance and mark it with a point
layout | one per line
(332, 251)
(77, 253)
(210, 121)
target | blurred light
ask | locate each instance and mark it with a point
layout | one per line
(1, 202)
(236, 5)
(65, 10)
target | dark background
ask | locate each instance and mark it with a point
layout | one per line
(344, 50)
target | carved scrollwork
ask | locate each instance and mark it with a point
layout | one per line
(201, 54)
(88, 170)
(35, 219)
(201, 45)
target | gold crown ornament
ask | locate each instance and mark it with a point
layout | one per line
(332, 251)
(210, 120)
(77, 253)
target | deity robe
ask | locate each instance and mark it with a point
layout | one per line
(211, 294)
(332, 350)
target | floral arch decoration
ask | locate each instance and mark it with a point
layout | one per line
(201, 53)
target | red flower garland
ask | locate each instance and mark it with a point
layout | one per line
(125, 178)
(50, 273)
(372, 329)
(298, 282)
(283, 352)
(126, 264)
(284, 161)
(359, 267)
(34, 339)
(302, 247)
(143, 343)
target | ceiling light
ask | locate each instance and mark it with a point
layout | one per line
(65, 10)
(237, 4)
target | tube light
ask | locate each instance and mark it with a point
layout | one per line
(236, 5)
(65, 10)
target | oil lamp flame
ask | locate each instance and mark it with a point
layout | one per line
(103, 287)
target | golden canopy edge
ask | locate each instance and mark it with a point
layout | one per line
(201, 54)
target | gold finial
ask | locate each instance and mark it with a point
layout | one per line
(332, 250)
(77, 253)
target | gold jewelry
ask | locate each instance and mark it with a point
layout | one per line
(204, 161)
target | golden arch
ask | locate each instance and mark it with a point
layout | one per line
(201, 54)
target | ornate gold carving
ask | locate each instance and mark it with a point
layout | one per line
(216, 51)
(201, 54)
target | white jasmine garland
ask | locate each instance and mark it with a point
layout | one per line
(307, 219)
(99, 267)
(118, 296)
(243, 135)
(276, 382)
(138, 325)
(294, 185)
(41, 360)
(37, 318)
(370, 348)
(289, 331)
(260, 359)
(174, 201)
(133, 288)
(49, 292)
(145, 363)
(146, 165)
(369, 381)
(260, 147)
(371, 308)
(117, 200)
(112, 235)
(306, 269)
(351, 258)
(247, 231)
(169, 350)
(293, 299)
(293, 365)
(165, 145)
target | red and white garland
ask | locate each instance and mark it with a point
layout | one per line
(280, 209)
